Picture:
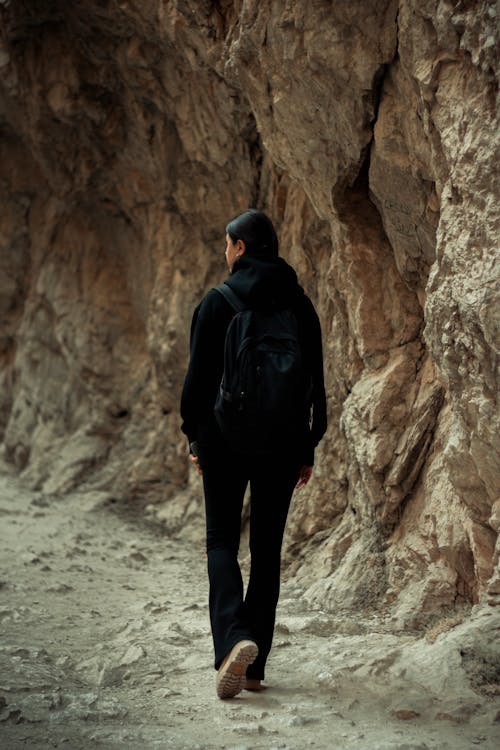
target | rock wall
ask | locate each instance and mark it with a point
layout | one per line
(131, 131)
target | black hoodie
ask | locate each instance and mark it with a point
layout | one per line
(261, 282)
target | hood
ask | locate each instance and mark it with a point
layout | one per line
(264, 282)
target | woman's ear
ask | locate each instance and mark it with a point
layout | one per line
(240, 248)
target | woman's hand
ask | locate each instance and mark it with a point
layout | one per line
(196, 462)
(305, 473)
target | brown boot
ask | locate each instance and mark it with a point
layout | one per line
(231, 673)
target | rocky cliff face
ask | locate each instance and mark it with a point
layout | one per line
(131, 132)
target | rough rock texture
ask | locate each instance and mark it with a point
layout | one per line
(131, 131)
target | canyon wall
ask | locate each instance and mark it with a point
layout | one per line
(130, 132)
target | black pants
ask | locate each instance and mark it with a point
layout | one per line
(233, 616)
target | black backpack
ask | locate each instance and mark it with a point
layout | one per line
(264, 399)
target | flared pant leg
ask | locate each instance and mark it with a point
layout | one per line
(233, 616)
(271, 484)
(224, 487)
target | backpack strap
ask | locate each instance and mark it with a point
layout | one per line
(230, 296)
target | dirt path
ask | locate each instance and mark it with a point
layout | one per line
(105, 643)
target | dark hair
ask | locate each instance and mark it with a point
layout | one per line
(257, 232)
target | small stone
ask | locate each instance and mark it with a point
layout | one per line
(296, 721)
(137, 556)
(282, 628)
(446, 716)
(40, 502)
(57, 700)
(325, 677)
(60, 588)
(32, 559)
(133, 655)
(405, 714)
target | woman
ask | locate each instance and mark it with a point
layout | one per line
(243, 625)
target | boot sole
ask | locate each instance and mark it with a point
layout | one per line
(231, 677)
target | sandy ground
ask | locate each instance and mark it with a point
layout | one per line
(105, 643)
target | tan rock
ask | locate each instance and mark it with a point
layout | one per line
(369, 131)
